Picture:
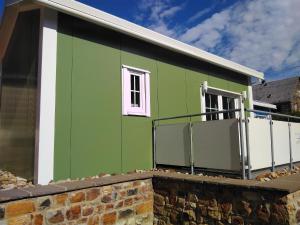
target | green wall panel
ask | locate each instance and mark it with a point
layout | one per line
(62, 144)
(91, 134)
(172, 94)
(194, 81)
(96, 119)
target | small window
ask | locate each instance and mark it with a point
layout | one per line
(136, 91)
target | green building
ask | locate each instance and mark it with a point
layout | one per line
(80, 88)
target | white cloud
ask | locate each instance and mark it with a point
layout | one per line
(264, 35)
(261, 34)
(158, 14)
(199, 14)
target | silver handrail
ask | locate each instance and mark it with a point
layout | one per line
(191, 133)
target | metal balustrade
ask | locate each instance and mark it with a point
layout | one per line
(226, 145)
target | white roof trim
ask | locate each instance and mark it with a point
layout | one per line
(264, 104)
(104, 19)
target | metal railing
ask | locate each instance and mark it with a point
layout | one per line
(245, 151)
(190, 116)
(270, 118)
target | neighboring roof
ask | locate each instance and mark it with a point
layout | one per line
(276, 91)
(264, 104)
(99, 17)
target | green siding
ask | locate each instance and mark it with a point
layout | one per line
(137, 131)
(96, 120)
(91, 134)
(62, 156)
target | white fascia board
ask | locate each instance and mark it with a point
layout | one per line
(264, 104)
(104, 19)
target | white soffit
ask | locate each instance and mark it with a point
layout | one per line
(104, 19)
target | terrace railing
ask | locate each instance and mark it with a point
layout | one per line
(239, 145)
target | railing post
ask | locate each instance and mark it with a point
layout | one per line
(272, 143)
(248, 148)
(241, 119)
(290, 145)
(191, 147)
(154, 143)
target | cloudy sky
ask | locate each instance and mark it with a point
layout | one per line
(261, 34)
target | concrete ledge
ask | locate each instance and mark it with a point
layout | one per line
(288, 184)
(51, 189)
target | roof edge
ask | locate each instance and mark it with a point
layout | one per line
(107, 20)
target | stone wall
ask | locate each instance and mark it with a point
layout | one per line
(293, 204)
(121, 203)
(185, 202)
(155, 198)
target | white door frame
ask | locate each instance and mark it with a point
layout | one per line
(219, 92)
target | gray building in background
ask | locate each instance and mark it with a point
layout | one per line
(285, 94)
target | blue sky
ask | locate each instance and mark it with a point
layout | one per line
(261, 34)
(1, 8)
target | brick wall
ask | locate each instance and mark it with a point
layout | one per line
(123, 203)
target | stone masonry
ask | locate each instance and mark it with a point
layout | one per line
(124, 203)
(158, 198)
(180, 200)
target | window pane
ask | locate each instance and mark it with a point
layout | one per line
(215, 116)
(207, 100)
(214, 101)
(132, 82)
(225, 103)
(132, 98)
(137, 102)
(231, 104)
(225, 107)
(137, 83)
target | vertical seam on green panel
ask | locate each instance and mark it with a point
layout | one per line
(71, 99)
(157, 99)
(121, 100)
(186, 91)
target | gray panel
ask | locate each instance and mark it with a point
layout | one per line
(216, 145)
(173, 145)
